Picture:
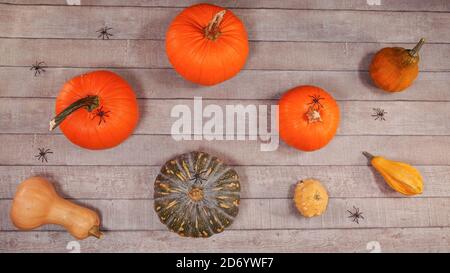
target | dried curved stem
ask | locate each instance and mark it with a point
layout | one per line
(212, 31)
(95, 231)
(368, 155)
(413, 52)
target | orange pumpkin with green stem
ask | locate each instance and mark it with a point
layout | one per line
(207, 44)
(394, 69)
(308, 117)
(96, 110)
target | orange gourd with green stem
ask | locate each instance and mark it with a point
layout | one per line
(308, 117)
(96, 110)
(207, 44)
(394, 69)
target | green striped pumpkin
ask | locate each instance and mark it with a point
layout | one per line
(197, 195)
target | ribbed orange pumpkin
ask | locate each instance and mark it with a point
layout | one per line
(308, 117)
(96, 110)
(207, 44)
(394, 69)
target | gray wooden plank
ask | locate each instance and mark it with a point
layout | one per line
(151, 54)
(257, 214)
(399, 5)
(262, 24)
(27, 115)
(156, 149)
(136, 182)
(329, 240)
(248, 84)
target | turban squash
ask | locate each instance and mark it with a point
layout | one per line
(196, 195)
(96, 110)
(207, 44)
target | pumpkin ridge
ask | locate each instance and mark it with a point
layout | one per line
(181, 186)
(206, 64)
(216, 176)
(204, 218)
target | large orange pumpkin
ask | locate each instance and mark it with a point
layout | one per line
(308, 117)
(207, 44)
(96, 110)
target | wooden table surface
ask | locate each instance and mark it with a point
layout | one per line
(325, 43)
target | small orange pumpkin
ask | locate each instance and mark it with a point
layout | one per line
(308, 117)
(207, 44)
(394, 69)
(96, 110)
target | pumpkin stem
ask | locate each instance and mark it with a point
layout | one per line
(368, 155)
(196, 194)
(212, 31)
(95, 231)
(413, 52)
(89, 102)
(313, 115)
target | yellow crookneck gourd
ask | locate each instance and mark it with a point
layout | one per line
(400, 176)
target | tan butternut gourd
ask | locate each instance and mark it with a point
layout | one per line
(36, 203)
(400, 176)
(310, 197)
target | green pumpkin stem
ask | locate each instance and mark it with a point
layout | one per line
(212, 31)
(413, 52)
(89, 102)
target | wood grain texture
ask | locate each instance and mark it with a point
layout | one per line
(151, 54)
(248, 84)
(136, 182)
(392, 5)
(402, 118)
(255, 214)
(155, 150)
(329, 240)
(261, 24)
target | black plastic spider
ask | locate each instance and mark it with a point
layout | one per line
(379, 114)
(43, 154)
(104, 33)
(38, 67)
(101, 114)
(315, 101)
(356, 215)
(198, 178)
